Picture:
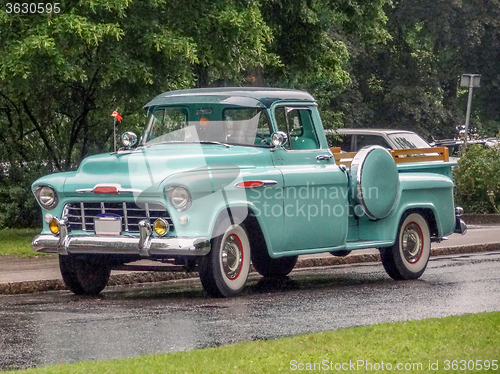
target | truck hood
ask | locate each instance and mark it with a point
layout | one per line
(145, 169)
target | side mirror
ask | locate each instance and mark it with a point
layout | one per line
(129, 139)
(279, 138)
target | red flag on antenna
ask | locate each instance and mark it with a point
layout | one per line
(116, 115)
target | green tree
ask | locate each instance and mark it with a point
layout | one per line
(477, 180)
(62, 74)
(412, 82)
(315, 40)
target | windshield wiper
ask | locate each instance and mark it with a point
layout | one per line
(184, 142)
(215, 142)
(149, 144)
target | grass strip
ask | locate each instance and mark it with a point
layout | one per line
(18, 242)
(427, 346)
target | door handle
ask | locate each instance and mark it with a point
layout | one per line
(323, 157)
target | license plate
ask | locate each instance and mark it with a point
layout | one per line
(108, 224)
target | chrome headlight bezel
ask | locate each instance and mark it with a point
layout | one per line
(179, 197)
(46, 196)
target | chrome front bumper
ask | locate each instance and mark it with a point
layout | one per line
(144, 245)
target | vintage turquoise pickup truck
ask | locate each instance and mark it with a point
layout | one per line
(224, 177)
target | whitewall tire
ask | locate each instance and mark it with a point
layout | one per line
(408, 257)
(224, 271)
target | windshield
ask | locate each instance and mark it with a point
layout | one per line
(406, 140)
(228, 125)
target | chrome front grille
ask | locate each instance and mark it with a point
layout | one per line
(80, 215)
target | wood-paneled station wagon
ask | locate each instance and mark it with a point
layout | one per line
(228, 176)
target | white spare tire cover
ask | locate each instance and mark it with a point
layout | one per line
(374, 181)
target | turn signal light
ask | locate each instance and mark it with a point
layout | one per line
(54, 226)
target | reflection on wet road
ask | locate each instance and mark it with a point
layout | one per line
(60, 327)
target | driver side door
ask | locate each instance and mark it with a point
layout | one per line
(315, 189)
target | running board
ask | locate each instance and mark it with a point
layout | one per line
(363, 244)
(165, 268)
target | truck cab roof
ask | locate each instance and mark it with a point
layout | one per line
(258, 97)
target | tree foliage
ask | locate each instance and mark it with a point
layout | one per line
(316, 39)
(62, 74)
(477, 180)
(412, 82)
(380, 63)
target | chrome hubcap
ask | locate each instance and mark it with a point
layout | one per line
(232, 257)
(412, 242)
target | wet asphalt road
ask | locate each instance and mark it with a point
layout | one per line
(55, 327)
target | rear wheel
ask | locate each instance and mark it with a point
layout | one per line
(408, 257)
(224, 271)
(84, 275)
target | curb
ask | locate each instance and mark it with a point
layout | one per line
(150, 277)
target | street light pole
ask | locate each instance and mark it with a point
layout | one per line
(470, 80)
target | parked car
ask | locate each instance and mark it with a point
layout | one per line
(227, 176)
(455, 145)
(352, 140)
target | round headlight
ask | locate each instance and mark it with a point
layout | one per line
(179, 198)
(47, 197)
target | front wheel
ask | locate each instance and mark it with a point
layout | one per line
(84, 275)
(224, 271)
(408, 257)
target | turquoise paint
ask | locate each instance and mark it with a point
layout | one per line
(327, 219)
(374, 177)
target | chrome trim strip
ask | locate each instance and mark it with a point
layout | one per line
(125, 214)
(118, 187)
(266, 183)
(269, 183)
(82, 214)
(122, 191)
(85, 190)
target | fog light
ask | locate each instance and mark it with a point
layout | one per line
(160, 227)
(54, 226)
